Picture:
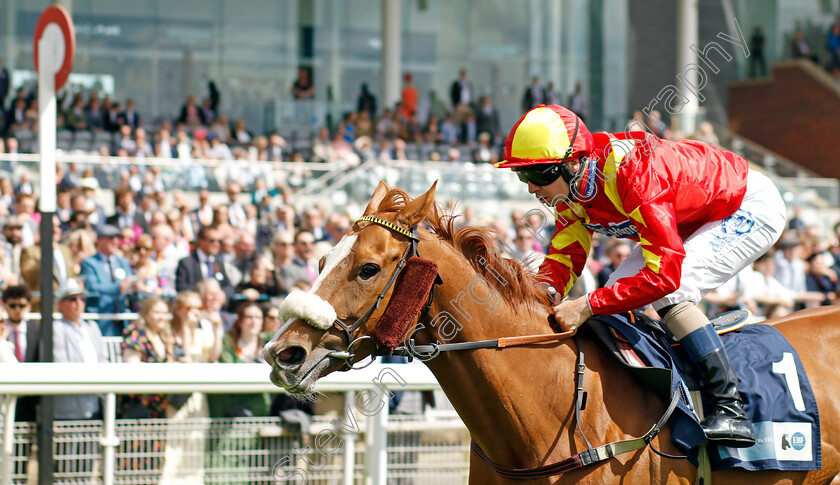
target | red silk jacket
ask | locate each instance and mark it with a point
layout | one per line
(649, 190)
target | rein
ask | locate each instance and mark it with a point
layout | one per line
(587, 457)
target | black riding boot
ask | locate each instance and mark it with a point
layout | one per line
(727, 424)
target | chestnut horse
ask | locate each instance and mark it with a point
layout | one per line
(518, 403)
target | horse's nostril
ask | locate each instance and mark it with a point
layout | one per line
(291, 355)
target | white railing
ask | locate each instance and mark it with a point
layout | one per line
(111, 379)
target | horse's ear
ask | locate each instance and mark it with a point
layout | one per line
(417, 209)
(376, 199)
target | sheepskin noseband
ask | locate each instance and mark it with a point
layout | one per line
(412, 292)
(309, 307)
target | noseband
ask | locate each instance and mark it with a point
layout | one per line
(349, 330)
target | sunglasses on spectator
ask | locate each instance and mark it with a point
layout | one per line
(214, 241)
(540, 175)
(17, 306)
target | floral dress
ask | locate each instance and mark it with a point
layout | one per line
(136, 338)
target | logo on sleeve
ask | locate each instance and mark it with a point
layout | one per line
(624, 229)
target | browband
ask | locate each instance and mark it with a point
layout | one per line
(389, 225)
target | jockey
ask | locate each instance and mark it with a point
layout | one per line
(699, 213)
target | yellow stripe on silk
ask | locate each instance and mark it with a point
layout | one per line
(575, 232)
(611, 167)
(565, 260)
(652, 261)
(387, 224)
(542, 135)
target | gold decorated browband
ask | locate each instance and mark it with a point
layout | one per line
(389, 225)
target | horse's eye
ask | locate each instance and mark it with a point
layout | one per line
(369, 270)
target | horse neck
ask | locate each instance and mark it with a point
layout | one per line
(507, 398)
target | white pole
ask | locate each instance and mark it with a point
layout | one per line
(8, 441)
(379, 450)
(349, 438)
(46, 121)
(109, 439)
(391, 52)
(687, 18)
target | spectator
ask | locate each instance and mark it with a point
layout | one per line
(303, 88)
(94, 118)
(617, 251)
(213, 304)
(24, 338)
(243, 343)
(145, 268)
(524, 250)
(149, 339)
(758, 66)
(790, 270)
(551, 94)
(483, 153)
(821, 278)
(408, 99)
(4, 85)
(366, 101)
(194, 340)
(300, 268)
(834, 47)
(322, 149)
(578, 103)
(799, 47)
(12, 247)
(772, 298)
(129, 116)
(236, 212)
(245, 255)
(76, 340)
(126, 215)
(461, 95)
(240, 133)
(204, 263)
(109, 278)
(706, 134)
(113, 115)
(190, 114)
(282, 251)
(271, 319)
(448, 131)
(487, 119)
(82, 243)
(63, 264)
(144, 148)
(202, 216)
(260, 284)
(534, 94)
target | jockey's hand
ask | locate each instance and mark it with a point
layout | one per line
(571, 314)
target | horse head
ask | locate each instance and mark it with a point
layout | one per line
(334, 324)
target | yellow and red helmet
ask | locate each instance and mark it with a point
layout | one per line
(546, 135)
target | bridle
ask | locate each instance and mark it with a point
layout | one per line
(349, 330)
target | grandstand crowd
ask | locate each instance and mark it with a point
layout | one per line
(206, 273)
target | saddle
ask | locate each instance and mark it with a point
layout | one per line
(776, 392)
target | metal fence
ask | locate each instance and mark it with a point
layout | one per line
(420, 450)
(432, 447)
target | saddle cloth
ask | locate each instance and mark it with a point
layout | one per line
(777, 394)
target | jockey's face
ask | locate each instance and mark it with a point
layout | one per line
(556, 192)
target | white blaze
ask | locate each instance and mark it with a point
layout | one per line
(335, 256)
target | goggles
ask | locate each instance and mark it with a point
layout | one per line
(540, 175)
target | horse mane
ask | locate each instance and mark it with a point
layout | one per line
(478, 248)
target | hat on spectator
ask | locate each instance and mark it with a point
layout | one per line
(89, 183)
(108, 230)
(71, 287)
(211, 136)
(789, 242)
(13, 221)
